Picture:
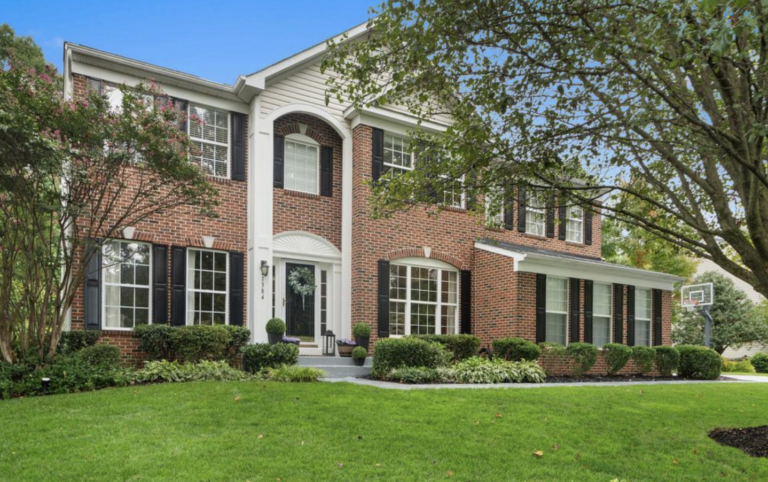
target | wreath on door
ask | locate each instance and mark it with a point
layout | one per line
(302, 282)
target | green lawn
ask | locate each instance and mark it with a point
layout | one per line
(267, 431)
(725, 374)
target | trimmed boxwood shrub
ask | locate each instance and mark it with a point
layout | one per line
(100, 355)
(155, 341)
(276, 326)
(760, 362)
(191, 344)
(552, 348)
(460, 346)
(516, 349)
(616, 357)
(667, 359)
(361, 330)
(72, 341)
(743, 366)
(583, 356)
(359, 352)
(698, 362)
(263, 355)
(643, 356)
(238, 338)
(393, 353)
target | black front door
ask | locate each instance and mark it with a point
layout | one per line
(299, 313)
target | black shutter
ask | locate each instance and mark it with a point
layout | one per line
(521, 201)
(575, 314)
(551, 217)
(657, 305)
(183, 107)
(377, 144)
(588, 303)
(509, 210)
(466, 302)
(238, 146)
(159, 284)
(383, 321)
(326, 171)
(278, 157)
(235, 288)
(587, 227)
(562, 212)
(618, 313)
(92, 301)
(541, 308)
(178, 285)
(630, 315)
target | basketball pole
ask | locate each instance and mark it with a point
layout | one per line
(704, 310)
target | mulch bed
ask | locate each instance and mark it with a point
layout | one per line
(752, 441)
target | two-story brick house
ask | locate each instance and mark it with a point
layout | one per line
(290, 172)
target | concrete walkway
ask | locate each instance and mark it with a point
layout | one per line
(747, 378)
(404, 386)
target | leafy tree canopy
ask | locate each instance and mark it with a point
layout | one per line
(22, 50)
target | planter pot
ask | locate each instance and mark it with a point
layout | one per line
(274, 338)
(359, 361)
(345, 350)
(363, 341)
(297, 343)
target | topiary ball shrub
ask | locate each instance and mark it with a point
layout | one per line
(698, 362)
(393, 353)
(106, 356)
(760, 362)
(361, 330)
(460, 346)
(263, 355)
(583, 357)
(667, 359)
(616, 357)
(643, 356)
(516, 349)
(276, 326)
(359, 352)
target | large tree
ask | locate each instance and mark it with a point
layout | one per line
(662, 103)
(73, 172)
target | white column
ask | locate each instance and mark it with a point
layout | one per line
(339, 327)
(346, 236)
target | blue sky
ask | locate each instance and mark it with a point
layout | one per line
(215, 39)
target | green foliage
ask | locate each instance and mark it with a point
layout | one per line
(760, 362)
(294, 374)
(238, 337)
(736, 321)
(583, 357)
(740, 366)
(276, 326)
(155, 341)
(419, 375)
(552, 348)
(19, 49)
(616, 356)
(172, 371)
(460, 346)
(263, 355)
(191, 344)
(516, 349)
(361, 330)
(72, 341)
(482, 370)
(667, 359)
(393, 353)
(359, 352)
(100, 355)
(698, 362)
(643, 356)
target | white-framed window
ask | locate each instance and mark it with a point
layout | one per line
(535, 216)
(602, 301)
(208, 129)
(642, 316)
(127, 277)
(557, 310)
(207, 287)
(397, 155)
(574, 224)
(302, 164)
(453, 193)
(494, 209)
(424, 300)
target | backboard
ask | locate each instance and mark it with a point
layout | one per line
(693, 296)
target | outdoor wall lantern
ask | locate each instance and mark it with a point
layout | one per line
(264, 268)
(329, 345)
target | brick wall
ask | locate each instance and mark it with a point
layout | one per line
(182, 227)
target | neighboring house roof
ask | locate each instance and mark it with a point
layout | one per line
(537, 260)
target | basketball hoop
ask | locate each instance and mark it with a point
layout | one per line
(699, 298)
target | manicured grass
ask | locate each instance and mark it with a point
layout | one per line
(725, 374)
(268, 431)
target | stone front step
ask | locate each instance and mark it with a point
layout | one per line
(336, 367)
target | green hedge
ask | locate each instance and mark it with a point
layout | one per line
(583, 356)
(263, 355)
(460, 346)
(667, 359)
(698, 362)
(516, 349)
(643, 356)
(393, 353)
(72, 341)
(191, 344)
(616, 357)
(760, 362)
(101, 355)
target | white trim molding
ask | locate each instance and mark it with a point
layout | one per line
(305, 246)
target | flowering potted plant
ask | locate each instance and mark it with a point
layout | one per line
(358, 355)
(362, 332)
(345, 346)
(293, 341)
(275, 330)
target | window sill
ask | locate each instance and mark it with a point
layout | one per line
(453, 209)
(574, 243)
(535, 236)
(306, 195)
(220, 180)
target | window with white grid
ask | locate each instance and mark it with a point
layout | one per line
(302, 162)
(453, 193)
(642, 316)
(207, 283)
(494, 209)
(423, 300)
(397, 155)
(209, 131)
(557, 310)
(126, 266)
(535, 216)
(602, 298)
(574, 224)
